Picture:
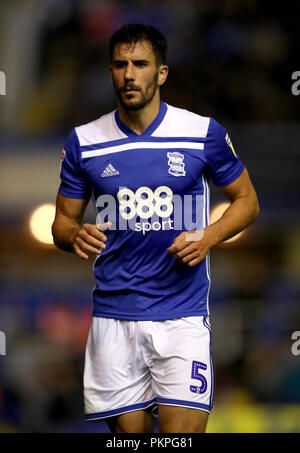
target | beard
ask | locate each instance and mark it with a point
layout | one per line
(145, 97)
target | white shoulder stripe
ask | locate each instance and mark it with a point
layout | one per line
(142, 145)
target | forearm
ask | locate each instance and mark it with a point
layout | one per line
(241, 213)
(64, 231)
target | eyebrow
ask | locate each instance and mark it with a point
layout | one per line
(134, 61)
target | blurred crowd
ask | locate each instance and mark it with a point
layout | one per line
(228, 59)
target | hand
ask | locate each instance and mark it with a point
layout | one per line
(89, 238)
(191, 247)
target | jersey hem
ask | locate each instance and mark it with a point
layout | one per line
(162, 317)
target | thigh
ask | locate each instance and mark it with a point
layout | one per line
(181, 365)
(116, 379)
(141, 421)
(175, 419)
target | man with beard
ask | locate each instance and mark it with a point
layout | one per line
(147, 166)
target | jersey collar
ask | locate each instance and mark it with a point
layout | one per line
(150, 129)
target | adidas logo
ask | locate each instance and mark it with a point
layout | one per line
(110, 171)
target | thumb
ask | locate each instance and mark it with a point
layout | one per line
(103, 226)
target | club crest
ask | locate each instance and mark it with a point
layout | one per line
(175, 162)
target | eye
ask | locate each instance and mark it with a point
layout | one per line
(120, 64)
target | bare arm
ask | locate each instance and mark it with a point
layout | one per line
(243, 210)
(67, 233)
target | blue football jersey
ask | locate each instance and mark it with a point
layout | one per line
(151, 187)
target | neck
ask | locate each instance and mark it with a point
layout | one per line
(139, 120)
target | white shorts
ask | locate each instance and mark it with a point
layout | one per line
(131, 365)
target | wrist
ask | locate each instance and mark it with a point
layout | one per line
(211, 234)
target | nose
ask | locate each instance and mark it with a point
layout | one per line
(129, 74)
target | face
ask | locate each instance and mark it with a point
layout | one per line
(135, 74)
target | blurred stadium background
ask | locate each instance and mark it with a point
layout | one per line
(230, 59)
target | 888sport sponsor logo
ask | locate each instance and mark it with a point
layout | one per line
(153, 209)
(145, 209)
(147, 205)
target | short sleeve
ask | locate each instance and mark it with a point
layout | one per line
(224, 165)
(73, 181)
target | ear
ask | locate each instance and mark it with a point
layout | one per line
(163, 72)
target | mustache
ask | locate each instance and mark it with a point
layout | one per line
(130, 87)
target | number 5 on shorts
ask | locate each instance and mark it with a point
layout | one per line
(196, 366)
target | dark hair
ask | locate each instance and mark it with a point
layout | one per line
(133, 33)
